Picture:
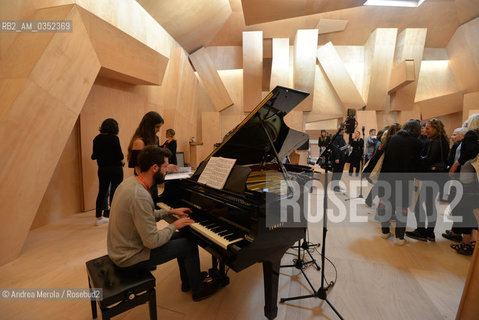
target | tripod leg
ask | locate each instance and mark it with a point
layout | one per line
(313, 260)
(334, 309)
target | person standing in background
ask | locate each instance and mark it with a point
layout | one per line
(107, 152)
(145, 135)
(339, 152)
(434, 164)
(171, 145)
(370, 144)
(357, 145)
(323, 141)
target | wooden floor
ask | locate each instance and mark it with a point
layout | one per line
(375, 278)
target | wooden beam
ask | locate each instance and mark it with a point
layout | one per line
(402, 75)
(379, 53)
(409, 46)
(252, 69)
(280, 63)
(339, 77)
(331, 25)
(210, 79)
(304, 62)
(123, 57)
(331, 124)
(442, 105)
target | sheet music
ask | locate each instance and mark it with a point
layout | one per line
(216, 172)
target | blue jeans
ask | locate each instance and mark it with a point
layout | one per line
(186, 253)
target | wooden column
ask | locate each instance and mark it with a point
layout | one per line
(379, 53)
(210, 79)
(339, 77)
(304, 63)
(410, 45)
(252, 69)
(280, 63)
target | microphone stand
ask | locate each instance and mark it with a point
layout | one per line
(321, 293)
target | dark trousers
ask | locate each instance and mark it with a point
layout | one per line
(185, 251)
(427, 199)
(109, 178)
(354, 165)
(337, 173)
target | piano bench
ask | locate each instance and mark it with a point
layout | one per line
(121, 291)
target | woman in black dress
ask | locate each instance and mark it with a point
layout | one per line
(357, 145)
(107, 152)
(171, 145)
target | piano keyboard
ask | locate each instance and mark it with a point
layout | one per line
(217, 231)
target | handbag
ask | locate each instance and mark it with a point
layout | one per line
(374, 175)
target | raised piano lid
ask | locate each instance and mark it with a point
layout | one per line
(248, 142)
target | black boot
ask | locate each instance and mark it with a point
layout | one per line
(418, 234)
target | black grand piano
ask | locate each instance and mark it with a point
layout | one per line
(240, 224)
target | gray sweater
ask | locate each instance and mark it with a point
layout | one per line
(132, 229)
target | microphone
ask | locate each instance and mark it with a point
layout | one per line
(363, 130)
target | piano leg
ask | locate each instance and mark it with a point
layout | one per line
(271, 280)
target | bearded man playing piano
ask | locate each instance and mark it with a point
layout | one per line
(134, 241)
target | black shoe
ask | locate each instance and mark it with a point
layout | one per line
(466, 250)
(417, 235)
(449, 235)
(430, 236)
(207, 290)
(185, 287)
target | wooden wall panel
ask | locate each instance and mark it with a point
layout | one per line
(439, 106)
(295, 120)
(331, 25)
(192, 23)
(304, 61)
(226, 57)
(379, 61)
(402, 74)
(338, 76)
(368, 120)
(464, 56)
(63, 195)
(325, 100)
(144, 65)
(132, 19)
(410, 45)
(211, 126)
(470, 104)
(48, 105)
(331, 124)
(252, 69)
(407, 115)
(435, 79)
(232, 116)
(280, 63)
(210, 79)
(179, 100)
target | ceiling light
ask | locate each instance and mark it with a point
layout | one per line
(394, 3)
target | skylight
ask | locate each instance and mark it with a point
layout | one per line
(394, 3)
